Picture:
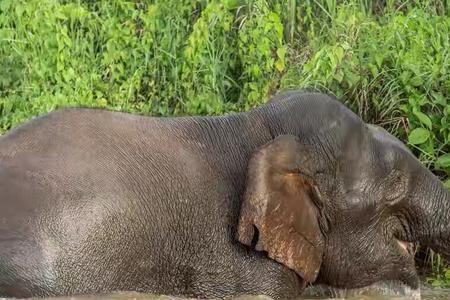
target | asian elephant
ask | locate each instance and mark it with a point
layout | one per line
(297, 190)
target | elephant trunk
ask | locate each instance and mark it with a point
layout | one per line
(433, 214)
(440, 241)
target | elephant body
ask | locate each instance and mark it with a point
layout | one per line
(94, 201)
(98, 201)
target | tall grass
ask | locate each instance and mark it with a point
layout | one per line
(388, 60)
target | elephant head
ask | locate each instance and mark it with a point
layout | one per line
(339, 201)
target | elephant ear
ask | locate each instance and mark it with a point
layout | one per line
(278, 211)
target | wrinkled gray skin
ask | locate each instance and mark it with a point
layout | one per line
(96, 201)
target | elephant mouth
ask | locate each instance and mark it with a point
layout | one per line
(406, 247)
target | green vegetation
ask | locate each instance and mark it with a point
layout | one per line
(439, 275)
(388, 60)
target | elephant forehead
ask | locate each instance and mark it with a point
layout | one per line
(380, 134)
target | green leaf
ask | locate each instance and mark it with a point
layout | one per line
(436, 283)
(447, 185)
(339, 53)
(439, 98)
(230, 4)
(279, 64)
(447, 274)
(404, 77)
(352, 78)
(281, 53)
(423, 118)
(379, 59)
(443, 161)
(418, 136)
(339, 75)
(416, 81)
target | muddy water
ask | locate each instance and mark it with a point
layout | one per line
(431, 295)
(372, 293)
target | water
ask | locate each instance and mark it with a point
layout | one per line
(378, 292)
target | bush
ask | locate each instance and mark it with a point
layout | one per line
(392, 70)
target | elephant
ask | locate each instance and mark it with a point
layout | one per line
(298, 190)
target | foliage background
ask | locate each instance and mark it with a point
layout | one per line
(386, 59)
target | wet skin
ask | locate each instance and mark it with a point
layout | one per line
(94, 201)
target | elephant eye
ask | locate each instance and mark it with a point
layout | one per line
(395, 187)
